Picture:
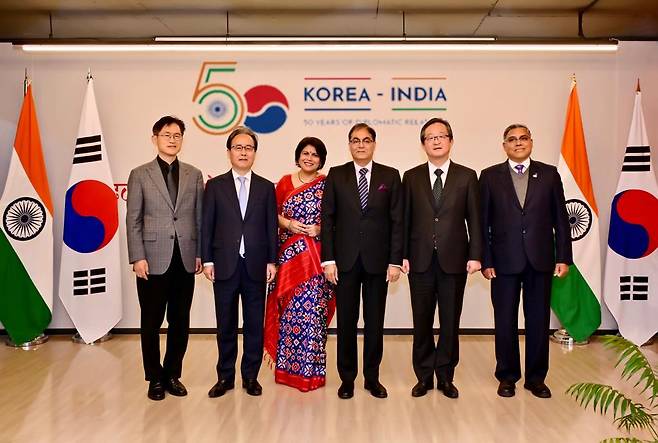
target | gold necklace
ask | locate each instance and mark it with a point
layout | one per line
(300, 178)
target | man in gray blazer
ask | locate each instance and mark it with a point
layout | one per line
(163, 223)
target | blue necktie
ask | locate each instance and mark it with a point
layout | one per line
(363, 188)
(242, 198)
(519, 169)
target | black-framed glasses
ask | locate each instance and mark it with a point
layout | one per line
(177, 136)
(243, 148)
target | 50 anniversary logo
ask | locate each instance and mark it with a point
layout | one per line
(220, 108)
(264, 108)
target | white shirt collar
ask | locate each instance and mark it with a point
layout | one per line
(444, 167)
(525, 163)
(357, 168)
(236, 175)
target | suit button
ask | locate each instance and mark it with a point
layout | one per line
(436, 219)
(175, 218)
(523, 231)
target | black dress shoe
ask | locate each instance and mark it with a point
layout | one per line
(175, 387)
(346, 390)
(506, 389)
(538, 389)
(156, 390)
(220, 388)
(448, 389)
(421, 389)
(376, 389)
(252, 387)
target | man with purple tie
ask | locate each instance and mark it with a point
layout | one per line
(527, 241)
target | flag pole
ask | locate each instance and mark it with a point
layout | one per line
(561, 335)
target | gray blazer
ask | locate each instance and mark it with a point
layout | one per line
(152, 221)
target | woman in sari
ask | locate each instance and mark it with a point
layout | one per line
(301, 302)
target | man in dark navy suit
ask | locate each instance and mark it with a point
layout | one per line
(526, 242)
(362, 237)
(239, 234)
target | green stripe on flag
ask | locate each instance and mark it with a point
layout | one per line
(575, 305)
(23, 312)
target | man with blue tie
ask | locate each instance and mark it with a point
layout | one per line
(362, 238)
(527, 241)
(239, 235)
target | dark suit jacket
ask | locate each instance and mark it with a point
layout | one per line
(459, 203)
(377, 234)
(223, 227)
(539, 230)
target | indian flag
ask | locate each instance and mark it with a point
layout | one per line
(26, 235)
(576, 298)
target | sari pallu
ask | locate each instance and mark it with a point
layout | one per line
(300, 303)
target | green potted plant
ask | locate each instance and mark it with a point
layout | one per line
(626, 413)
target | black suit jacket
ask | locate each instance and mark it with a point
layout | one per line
(222, 226)
(376, 234)
(425, 222)
(539, 230)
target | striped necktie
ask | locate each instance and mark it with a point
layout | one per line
(363, 188)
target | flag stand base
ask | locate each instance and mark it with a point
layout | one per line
(30, 345)
(561, 336)
(78, 339)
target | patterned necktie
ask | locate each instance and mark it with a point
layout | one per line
(519, 169)
(438, 186)
(242, 199)
(363, 188)
(171, 185)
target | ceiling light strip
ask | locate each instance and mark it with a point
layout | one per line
(447, 47)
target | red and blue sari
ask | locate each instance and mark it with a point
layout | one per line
(300, 303)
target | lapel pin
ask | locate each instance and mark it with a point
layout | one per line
(534, 175)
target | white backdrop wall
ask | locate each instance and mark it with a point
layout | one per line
(484, 92)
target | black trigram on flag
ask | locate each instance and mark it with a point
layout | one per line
(634, 287)
(87, 149)
(89, 281)
(637, 159)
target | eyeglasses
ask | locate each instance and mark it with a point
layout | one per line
(243, 148)
(435, 138)
(522, 139)
(177, 136)
(358, 141)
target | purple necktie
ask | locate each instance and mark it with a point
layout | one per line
(519, 169)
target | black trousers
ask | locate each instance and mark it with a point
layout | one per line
(227, 293)
(170, 292)
(429, 289)
(505, 296)
(348, 297)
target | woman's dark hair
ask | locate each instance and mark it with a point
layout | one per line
(319, 146)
